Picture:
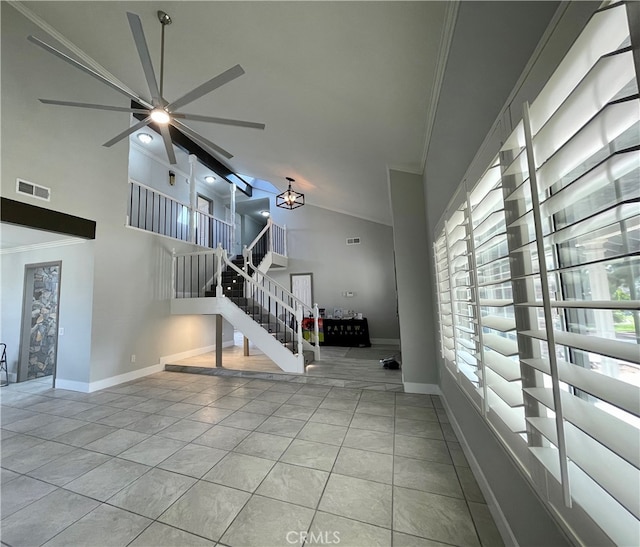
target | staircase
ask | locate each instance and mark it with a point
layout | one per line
(269, 249)
(265, 312)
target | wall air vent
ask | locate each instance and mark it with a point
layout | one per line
(34, 190)
(353, 241)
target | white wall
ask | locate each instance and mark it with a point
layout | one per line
(61, 148)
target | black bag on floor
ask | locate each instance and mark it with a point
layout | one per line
(390, 363)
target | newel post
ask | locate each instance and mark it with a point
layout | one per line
(245, 256)
(270, 224)
(219, 251)
(299, 316)
(193, 198)
(174, 261)
(316, 331)
(286, 253)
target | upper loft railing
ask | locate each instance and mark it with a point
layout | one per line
(151, 210)
(272, 239)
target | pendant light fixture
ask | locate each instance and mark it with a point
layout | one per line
(290, 199)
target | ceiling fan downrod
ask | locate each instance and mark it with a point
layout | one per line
(164, 21)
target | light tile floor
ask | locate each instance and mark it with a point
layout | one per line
(347, 367)
(178, 459)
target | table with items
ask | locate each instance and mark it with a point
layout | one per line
(338, 332)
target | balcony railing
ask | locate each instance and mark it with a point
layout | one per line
(151, 210)
(272, 239)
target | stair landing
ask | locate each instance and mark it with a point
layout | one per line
(337, 367)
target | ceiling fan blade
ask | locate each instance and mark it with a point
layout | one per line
(128, 132)
(214, 83)
(95, 106)
(199, 138)
(222, 121)
(86, 70)
(166, 137)
(145, 58)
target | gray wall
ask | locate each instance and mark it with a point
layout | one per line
(491, 45)
(75, 308)
(317, 244)
(414, 280)
(529, 521)
(153, 172)
(61, 148)
(250, 229)
(468, 114)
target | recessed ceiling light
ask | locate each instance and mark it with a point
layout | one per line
(210, 179)
(145, 138)
(265, 213)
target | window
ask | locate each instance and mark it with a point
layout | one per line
(539, 286)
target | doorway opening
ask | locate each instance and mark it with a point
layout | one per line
(204, 223)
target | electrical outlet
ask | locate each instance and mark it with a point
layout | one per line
(61, 331)
(133, 357)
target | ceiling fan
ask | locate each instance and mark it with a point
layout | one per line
(157, 109)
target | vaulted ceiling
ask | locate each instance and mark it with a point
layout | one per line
(346, 89)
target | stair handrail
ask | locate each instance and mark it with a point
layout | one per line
(269, 227)
(222, 255)
(281, 287)
(313, 311)
(259, 236)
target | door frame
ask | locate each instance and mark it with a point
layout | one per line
(299, 280)
(25, 327)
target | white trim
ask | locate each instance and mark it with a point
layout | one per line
(90, 387)
(424, 389)
(192, 353)
(71, 385)
(122, 378)
(492, 503)
(450, 19)
(37, 246)
(386, 341)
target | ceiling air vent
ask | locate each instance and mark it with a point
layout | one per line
(353, 241)
(33, 190)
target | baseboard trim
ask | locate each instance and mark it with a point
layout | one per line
(90, 387)
(189, 353)
(424, 389)
(386, 341)
(126, 377)
(492, 503)
(71, 385)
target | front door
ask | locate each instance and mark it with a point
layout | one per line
(39, 338)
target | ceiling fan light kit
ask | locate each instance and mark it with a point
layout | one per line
(158, 109)
(290, 199)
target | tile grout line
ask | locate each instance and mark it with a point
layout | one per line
(224, 386)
